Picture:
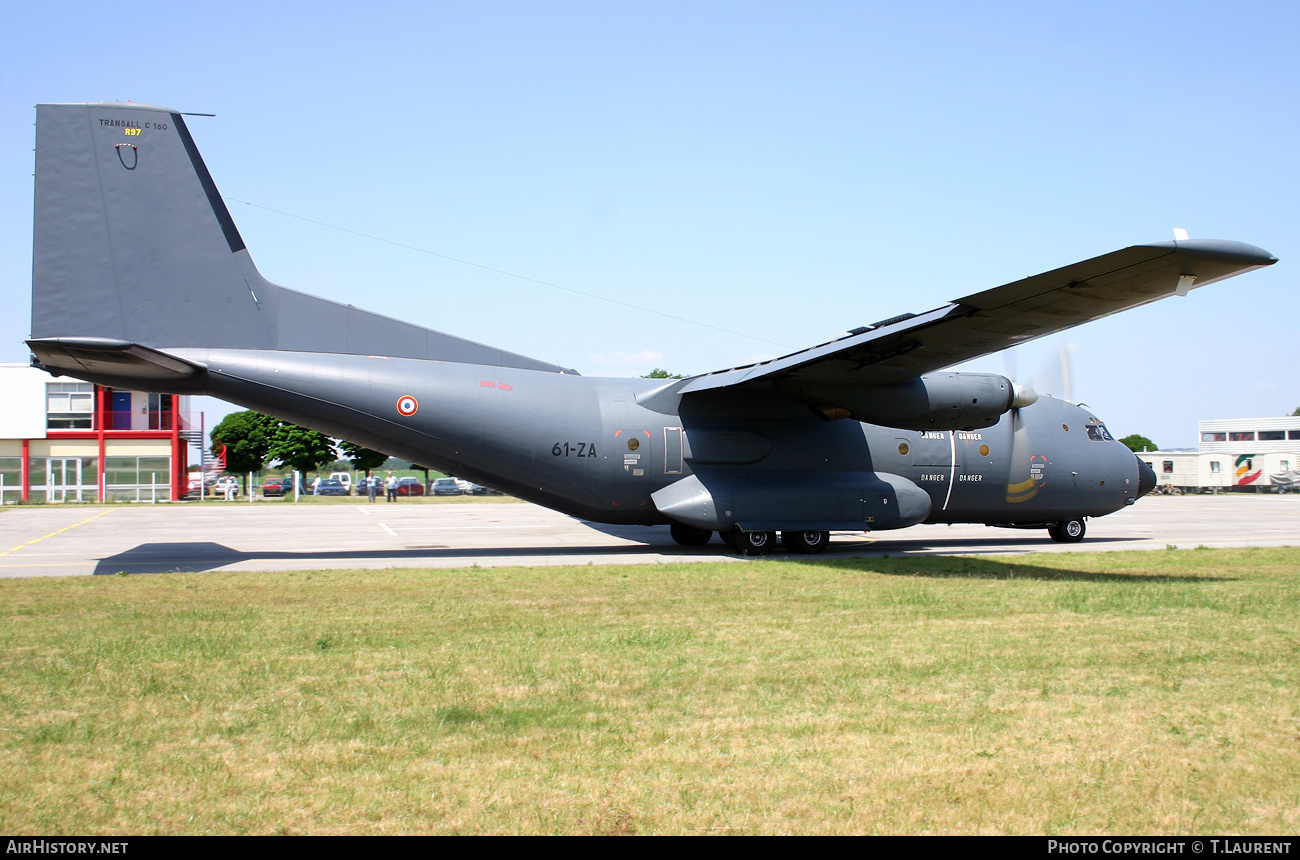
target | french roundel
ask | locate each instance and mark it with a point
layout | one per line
(407, 406)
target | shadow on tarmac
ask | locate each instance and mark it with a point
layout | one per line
(197, 557)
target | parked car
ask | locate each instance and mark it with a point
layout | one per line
(410, 487)
(446, 487)
(343, 478)
(276, 487)
(331, 487)
(226, 485)
(480, 490)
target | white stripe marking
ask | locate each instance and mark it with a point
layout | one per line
(385, 527)
(952, 467)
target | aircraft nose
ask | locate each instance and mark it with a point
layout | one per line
(1146, 477)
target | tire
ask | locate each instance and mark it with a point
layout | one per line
(806, 542)
(751, 543)
(1068, 531)
(686, 535)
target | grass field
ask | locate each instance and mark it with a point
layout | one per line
(1149, 692)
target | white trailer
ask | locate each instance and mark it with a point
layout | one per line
(1235, 454)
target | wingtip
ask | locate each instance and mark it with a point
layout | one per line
(1221, 249)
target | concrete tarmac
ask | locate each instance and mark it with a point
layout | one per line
(78, 540)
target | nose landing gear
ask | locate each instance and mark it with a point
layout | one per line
(1067, 531)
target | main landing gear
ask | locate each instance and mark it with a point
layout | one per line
(689, 535)
(805, 542)
(1067, 531)
(761, 543)
(753, 543)
(750, 543)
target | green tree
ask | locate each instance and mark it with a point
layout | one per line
(362, 459)
(660, 373)
(299, 448)
(1297, 411)
(1137, 444)
(245, 437)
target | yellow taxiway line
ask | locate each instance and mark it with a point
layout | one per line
(56, 531)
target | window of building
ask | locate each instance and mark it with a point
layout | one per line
(161, 414)
(1216, 467)
(64, 479)
(1272, 435)
(1214, 437)
(1293, 434)
(1242, 436)
(69, 405)
(1168, 466)
(11, 480)
(137, 479)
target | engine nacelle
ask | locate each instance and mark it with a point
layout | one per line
(939, 401)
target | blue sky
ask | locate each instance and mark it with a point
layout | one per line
(773, 173)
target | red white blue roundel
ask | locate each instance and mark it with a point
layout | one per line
(407, 406)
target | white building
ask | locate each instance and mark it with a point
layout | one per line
(1234, 453)
(62, 440)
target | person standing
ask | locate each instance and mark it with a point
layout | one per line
(372, 487)
(392, 487)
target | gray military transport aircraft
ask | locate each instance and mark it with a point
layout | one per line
(141, 280)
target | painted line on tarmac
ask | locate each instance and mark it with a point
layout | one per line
(457, 528)
(55, 532)
(385, 527)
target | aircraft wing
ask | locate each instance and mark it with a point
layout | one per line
(903, 348)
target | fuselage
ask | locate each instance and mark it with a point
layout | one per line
(599, 448)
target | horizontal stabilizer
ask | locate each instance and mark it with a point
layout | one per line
(95, 358)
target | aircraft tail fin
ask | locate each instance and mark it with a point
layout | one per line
(132, 240)
(134, 245)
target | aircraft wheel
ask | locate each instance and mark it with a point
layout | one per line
(805, 542)
(689, 535)
(751, 543)
(1069, 531)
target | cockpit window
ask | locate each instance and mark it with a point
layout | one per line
(1097, 431)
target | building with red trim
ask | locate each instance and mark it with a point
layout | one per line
(62, 440)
